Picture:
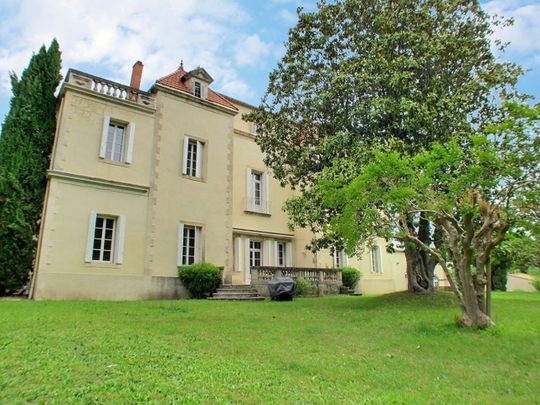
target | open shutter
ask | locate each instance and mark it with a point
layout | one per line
(198, 244)
(237, 253)
(120, 237)
(179, 262)
(266, 195)
(130, 142)
(249, 192)
(266, 252)
(200, 159)
(184, 160)
(104, 134)
(345, 259)
(247, 273)
(90, 237)
(288, 254)
(379, 257)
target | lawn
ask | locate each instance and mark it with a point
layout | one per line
(396, 348)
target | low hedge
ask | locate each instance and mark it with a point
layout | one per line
(200, 279)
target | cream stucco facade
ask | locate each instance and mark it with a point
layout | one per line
(142, 182)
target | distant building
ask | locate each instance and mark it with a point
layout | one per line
(143, 182)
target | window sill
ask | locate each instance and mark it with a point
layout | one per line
(107, 265)
(114, 163)
(264, 214)
(194, 178)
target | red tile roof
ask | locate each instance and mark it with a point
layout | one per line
(174, 80)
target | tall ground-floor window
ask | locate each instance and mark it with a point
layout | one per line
(189, 250)
(255, 253)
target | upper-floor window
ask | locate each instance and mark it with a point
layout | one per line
(257, 192)
(105, 242)
(114, 149)
(254, 128)
(193, 157)
(375, 259)
(197, 89)
(117, 140)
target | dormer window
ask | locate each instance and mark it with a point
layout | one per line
(197, 89)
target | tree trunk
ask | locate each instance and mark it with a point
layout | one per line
(419, 270)
(420, 266)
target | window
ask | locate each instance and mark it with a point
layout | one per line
(189, 250)
(255, 253)
(375, 259)
(105, 242)
(103, 239)
(257, 192)
(281, 254)
(193, 157)
(256, 181)
(197, 89)
(254, 128)
(117, 141)
(340, 258)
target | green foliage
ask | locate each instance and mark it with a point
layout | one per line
(499, 278)
(350, 277)
(536, 284)
(358, 73)
(25, 147)
(304, 287)
(200, 279)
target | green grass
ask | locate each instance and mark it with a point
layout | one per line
(388, 349)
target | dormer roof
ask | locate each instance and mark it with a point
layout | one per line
(177, 80)
(201, 74)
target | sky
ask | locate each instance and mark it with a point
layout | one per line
(239, 42)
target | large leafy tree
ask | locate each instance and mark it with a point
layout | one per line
(358, 72)
(474, 190)
(25, 147)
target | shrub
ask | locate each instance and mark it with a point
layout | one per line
(303, 286)
(536, 284)
(350, 277)
(200, 279)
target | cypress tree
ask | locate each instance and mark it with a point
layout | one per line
(25, 148)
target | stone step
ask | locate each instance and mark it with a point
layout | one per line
(221, 298)
(237, 290)
(235, 286)
(233, 295)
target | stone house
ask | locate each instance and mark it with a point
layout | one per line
(142, 182)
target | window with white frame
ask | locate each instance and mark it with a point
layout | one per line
(189, 250)
(105, 242)
(257, 192)
(255, 253)
(340, 258)
(281, 254)
(117, 140)
(254, 128)
(193, 157)
(197, 89)
(375, 259)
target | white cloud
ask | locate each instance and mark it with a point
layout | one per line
(288, 16)
(112, 35)
(525, 33)
(251, 50)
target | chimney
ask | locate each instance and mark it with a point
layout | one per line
(136, 75)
